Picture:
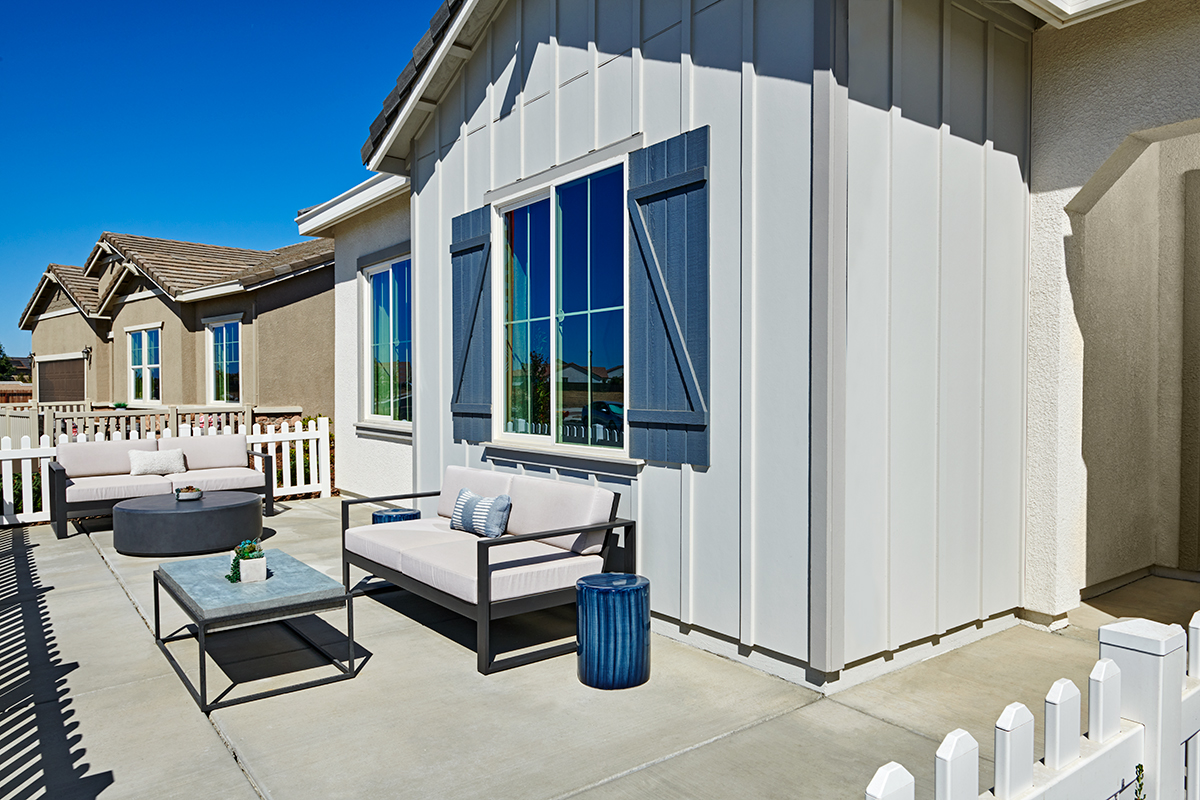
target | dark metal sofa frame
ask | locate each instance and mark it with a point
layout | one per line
(61, 510)
(486, 609)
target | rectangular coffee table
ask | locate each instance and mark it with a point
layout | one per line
(292, 589)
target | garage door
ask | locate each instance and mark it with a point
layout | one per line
(60, 381)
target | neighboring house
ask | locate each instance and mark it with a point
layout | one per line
(152, 321)
(857, 404)
(22, 368)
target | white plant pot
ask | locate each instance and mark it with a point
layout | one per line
(253, 569)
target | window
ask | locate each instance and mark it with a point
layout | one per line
(390, 345)
(145, 367)
(225, 375)
(564, 313)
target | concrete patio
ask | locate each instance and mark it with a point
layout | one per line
(92, 709)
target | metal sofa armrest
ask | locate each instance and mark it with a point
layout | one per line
(58, 498)
(268, 479)
(483, 564)
(353, 501)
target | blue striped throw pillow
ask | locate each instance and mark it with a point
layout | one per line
(482, 516)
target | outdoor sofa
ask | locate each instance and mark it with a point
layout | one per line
(557, 532)
(89, 478)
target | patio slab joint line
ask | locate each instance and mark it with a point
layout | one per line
(254, 785)
(688, 749)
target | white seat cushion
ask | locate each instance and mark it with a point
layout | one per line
(483, 482)
(517, 570)
(220, 479)
(115, 487)
(539, 505)
(383, 543)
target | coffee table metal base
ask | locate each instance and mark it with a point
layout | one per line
(283, 613)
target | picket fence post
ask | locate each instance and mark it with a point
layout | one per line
(956, 769)
(892, 782)
(1014, 751)
(324, 456)
(1104, 701)
(1062, 724)
(1152, 658)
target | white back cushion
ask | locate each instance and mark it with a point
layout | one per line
(209, 452)
(539, 504)
(82, 459)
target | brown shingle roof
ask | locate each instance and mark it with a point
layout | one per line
(179, 266)
(391, 104)
(289, 259)
(81, 290)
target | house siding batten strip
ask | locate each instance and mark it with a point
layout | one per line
(828, 360)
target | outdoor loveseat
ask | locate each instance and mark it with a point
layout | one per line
(89, 478)
(557, 532)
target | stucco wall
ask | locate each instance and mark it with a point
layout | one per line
(1094, 84)
(294, 332)
(70, 334)
(367, 463)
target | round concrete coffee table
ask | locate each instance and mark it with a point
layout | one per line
(160, 525)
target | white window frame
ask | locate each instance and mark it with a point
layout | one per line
(210, 365)
(537, 192)
(140, 330)
(366, 363)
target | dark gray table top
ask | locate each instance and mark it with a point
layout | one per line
(200, 584)
(167, 504)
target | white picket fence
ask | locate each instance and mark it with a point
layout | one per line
(302, 459)
(1143, 709)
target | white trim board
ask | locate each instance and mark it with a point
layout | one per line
(1061, 13)
(223, 318)
(59, 356)
(149, 326)
(62, 312)
(319, 220)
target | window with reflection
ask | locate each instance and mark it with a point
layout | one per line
(226, 362)
(145, 369)
(564, 313)
(391, 341)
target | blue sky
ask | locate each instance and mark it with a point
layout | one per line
(209, 122)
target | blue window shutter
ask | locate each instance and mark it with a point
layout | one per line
(471, 394)
(668, 301)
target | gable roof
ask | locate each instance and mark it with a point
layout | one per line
(177, 268)
(174, 267)
(456, 28)
(79, 289)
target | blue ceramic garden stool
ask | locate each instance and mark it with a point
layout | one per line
(394, 515)
(614, 630)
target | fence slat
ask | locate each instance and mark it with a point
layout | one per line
(26, 480)
(1062, 724)
(956, 768)
(892, 782)
(1014, 751)
(286, 447)
(323, 449)
(1104, 701)
(6, 472)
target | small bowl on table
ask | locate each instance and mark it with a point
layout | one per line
(189, 493)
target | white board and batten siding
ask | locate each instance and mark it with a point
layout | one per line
(725, 546)
(936, 274)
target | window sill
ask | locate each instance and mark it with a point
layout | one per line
(390, 432)
(525, 453)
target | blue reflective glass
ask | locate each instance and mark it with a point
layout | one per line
(152, 347)
(135, 349)
(606, 224)
(571, 379)
(572, 245)
(381, 379)
(401, 367)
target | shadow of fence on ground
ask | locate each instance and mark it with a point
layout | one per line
(39, 746)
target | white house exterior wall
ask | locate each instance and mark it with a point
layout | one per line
(1095, 83)
(368, 464)
(725, 547)
(937, 220)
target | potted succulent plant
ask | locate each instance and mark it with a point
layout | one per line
(189, 493)
(249, 563)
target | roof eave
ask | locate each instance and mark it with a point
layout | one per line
(382, 158)
(320, 220)
(1061, 13)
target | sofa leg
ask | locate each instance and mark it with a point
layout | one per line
(60, 525)
(483, 645)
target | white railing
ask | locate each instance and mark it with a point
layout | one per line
(302, 463)
(1143, 710)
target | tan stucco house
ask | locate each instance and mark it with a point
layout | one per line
(149, 321)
